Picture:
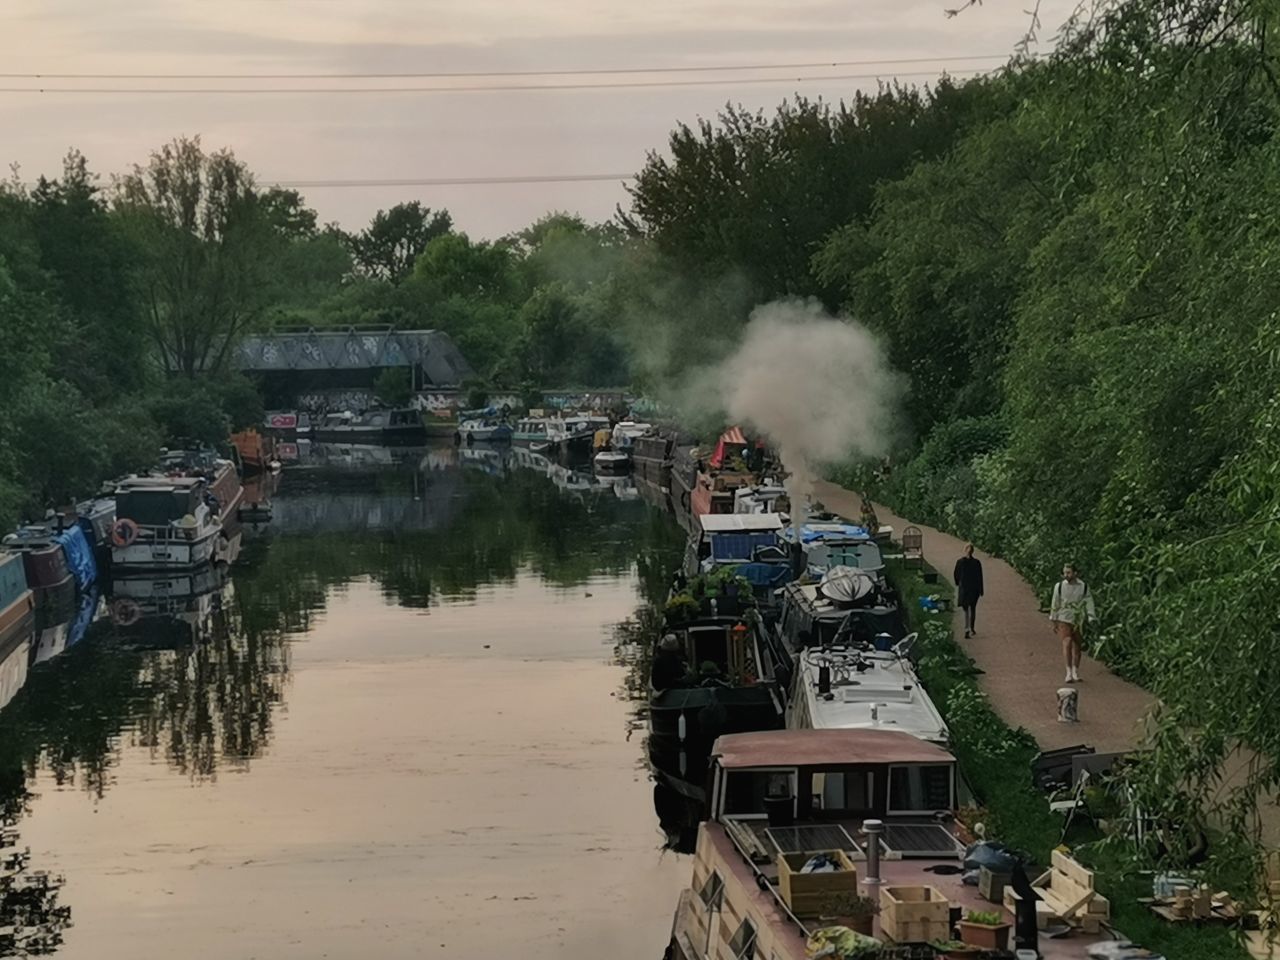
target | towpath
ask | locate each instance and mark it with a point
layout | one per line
(1018, 652)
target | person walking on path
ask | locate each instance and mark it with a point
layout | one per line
(968, 578)
(1072, 604)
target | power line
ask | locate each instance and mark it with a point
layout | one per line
(449, 181)
(487, 88)
(442, 75)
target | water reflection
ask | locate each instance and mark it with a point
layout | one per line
(192, 667)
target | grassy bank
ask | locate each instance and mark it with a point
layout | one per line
(996, 761)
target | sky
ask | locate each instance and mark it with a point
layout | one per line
(326, 136)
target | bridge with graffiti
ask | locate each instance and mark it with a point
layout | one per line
(430, 355)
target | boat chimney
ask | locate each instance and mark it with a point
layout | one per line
(797, 557)
(824, 679)
(872, 829)
(875, 714)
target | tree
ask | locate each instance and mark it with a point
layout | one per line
(394, 386)
(388, 248)
(209, 250)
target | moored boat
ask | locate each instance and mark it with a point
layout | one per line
(531, 432)
(485, 430)
(780, 798)
(183, 518)
(17, 603)
(373, 426)
(651, 455)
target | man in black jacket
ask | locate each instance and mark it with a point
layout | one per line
(968, 578)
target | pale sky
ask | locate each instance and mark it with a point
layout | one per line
(316, 136)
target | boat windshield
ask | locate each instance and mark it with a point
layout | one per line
(155, 508)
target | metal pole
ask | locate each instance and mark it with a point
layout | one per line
(872, 829)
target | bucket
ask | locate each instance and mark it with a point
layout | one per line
(780, 811)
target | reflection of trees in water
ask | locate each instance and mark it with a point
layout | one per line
(31, 919)
(203, 698)
(211, 703)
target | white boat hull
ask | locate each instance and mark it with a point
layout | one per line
(150, 554)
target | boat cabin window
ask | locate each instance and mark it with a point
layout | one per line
(712, 892)
(745, 790)
(743, 944)
(849, 792)
(155, 508)
(709, 644)
(921, 788)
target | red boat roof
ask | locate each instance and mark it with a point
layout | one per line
(733, 435)
(824, 748)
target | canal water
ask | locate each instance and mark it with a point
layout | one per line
(396, 729)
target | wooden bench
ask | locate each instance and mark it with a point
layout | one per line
(1067, 894)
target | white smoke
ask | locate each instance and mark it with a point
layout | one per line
(819, 389)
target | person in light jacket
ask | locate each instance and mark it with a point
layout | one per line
(1072, 604)
(968, 578)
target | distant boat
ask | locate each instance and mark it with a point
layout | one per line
(489, 431)
(373, 426)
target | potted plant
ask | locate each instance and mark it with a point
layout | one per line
(850, 909)
(988, 931)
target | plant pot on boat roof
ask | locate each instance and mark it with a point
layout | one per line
(988, 931)
(849, 909)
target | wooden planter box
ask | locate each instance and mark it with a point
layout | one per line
(991, 885)
(805, 893)
(985, 937)
(914, 914)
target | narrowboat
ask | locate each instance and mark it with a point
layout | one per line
(42, 555)
(833, 542)
(17, 602)
(716, 479)
(390, 427)
(876, 806)
(651, 455)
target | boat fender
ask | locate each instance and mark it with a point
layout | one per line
(124, 532)
(125, 612)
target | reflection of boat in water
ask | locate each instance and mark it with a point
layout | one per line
(491, 460)
(678, 816)
(15, 658)
(57, 637)
(172, 609)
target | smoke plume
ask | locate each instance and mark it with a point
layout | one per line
(819, 389)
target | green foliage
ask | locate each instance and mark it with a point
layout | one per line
(986, 918)
(394, 386)
(392, 243)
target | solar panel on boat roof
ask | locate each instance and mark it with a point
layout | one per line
(920, 840)
(812, 838)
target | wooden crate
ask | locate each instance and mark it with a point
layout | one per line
(914, 914)
(805, 893)
(991, 885)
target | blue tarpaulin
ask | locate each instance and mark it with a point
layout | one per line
(726, 547)
(79, 556)
(832, 531)
(765, 574)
